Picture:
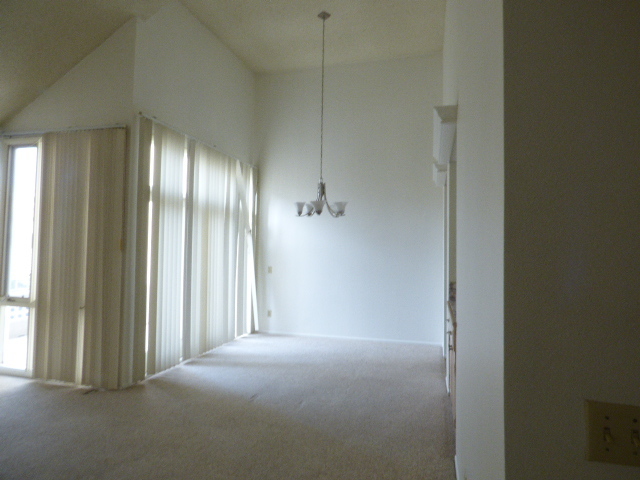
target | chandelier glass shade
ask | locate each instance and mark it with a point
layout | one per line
(317, 206)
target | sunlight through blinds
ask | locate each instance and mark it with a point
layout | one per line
(220, 271)
(200, 276)
(166, 253)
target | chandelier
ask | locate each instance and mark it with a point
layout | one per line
(307, 209)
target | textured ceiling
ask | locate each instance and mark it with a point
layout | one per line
(276, 35)
(40, 40)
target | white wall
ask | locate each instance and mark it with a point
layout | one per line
(98, 91)
(185, 77)
(572, 256)
(168, 66)
(474, 79)
(378, 271)
(570, 231)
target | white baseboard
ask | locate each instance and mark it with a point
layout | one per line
(370, 339)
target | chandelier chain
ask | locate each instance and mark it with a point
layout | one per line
(324, 18)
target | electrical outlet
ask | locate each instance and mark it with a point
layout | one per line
(613, 432)
(269, 269)
(268, 313)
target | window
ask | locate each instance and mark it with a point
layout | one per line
(20, 194)
(61, 236)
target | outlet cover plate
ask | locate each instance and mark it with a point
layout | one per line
(611, 428)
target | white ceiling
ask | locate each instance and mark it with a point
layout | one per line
(40, 40)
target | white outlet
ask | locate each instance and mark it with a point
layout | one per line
(613, 432)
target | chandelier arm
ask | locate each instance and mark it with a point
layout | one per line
(322, 195)
(332, 211)
(311, 211)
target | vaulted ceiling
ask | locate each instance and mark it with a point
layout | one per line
(41, 40)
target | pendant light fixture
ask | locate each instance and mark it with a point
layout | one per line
(307, 209)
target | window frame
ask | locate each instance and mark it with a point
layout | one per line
(7, 147)
(6, 190)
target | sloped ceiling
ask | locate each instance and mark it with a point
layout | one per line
(41, 40)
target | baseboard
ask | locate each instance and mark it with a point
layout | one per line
(340, 337)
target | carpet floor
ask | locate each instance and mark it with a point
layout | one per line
(261, 407)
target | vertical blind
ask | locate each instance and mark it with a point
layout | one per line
(79, 279)
(199, 281)
(193, 281)
(166, 249)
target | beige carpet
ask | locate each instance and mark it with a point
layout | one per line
(262, 407)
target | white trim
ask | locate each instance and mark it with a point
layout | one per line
(39, 133)
(338, 337)
(26, 140)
